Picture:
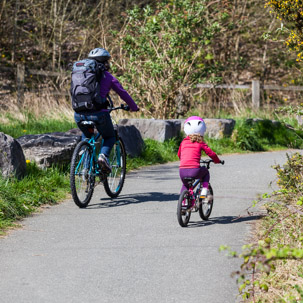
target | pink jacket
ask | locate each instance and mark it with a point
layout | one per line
(190, 153)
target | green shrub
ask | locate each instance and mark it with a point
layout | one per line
(246, 139)
(291, 174)
(155, 152)
(258, 135)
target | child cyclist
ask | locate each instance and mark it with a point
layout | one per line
(190, 153)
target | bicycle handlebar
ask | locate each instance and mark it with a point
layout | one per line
(208, 161)
(122, 106)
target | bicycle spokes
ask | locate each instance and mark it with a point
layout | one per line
(206, 204)
(82, 176)
(114, 181)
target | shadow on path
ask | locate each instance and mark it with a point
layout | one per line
(124, 200)
(224, 220)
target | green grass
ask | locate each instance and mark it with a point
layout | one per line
(19, 198)
(155, 152)
(32, 125)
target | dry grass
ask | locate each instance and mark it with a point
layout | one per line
(283, 228)
(44, 104)
(282, 283)
(38, 105)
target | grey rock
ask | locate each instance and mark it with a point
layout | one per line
(159, 130)
(132, 139)
(50, 148)
(12, 160)
(216, 128)
(219, 128)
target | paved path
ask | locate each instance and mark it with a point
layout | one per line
(132, 249)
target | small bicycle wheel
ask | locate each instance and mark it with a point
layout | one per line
(206, 205)
(82, 175)
(114, 181)
(183, 208)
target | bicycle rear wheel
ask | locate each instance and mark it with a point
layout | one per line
(82, 174)
(206, 205)
(183, 208)
(114, 181)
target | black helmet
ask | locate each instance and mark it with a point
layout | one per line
(99, 54)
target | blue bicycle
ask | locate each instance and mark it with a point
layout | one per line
(84, 166)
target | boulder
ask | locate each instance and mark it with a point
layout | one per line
(130, 135)
(219, 128)
(50, 148)
(57, 148)
(132, 139)
(159, 130)
(12, 160)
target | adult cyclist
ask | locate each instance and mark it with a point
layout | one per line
(101, 116)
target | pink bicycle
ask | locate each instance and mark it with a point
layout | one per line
(191, 200)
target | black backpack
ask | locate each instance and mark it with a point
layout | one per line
(85, 85)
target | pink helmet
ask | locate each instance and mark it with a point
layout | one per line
(194, 125)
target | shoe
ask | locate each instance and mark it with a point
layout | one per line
(184, 203)
(203, 193)
(104, 163)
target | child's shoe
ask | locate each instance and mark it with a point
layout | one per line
(203, 193)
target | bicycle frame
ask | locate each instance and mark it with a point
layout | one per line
(192, 200)
(194, 184)
(85, 167)
(92, 141)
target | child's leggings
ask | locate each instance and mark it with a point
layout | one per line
(201, 173)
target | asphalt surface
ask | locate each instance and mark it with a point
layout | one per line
(132, 249)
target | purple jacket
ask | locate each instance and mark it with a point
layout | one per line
(110, 82)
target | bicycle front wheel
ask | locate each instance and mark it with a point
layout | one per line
(82, 174)
(206, 205)
(183, 208)
(114, 181)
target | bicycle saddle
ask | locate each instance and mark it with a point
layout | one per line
(88, 123)
(189, 179)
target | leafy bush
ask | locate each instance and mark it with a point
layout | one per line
(169, 47)
(256, 135)
(291, 13)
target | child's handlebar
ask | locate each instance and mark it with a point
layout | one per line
(208, 161)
